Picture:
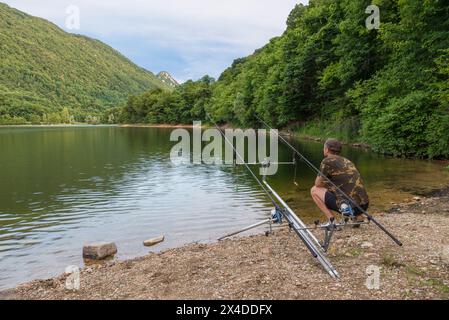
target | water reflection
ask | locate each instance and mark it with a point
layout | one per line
(63, 187)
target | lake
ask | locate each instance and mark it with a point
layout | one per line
(62, 187)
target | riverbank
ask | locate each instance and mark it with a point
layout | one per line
(286, 132)
(279, 267)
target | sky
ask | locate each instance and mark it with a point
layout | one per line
(187, 38)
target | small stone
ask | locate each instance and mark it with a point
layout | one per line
(417, 198)
(367, 245)
(99, 251)
(154, 241)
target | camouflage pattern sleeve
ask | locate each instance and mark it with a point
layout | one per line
(327, 171)
(324, 169)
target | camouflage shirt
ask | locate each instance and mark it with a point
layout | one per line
(345, 175)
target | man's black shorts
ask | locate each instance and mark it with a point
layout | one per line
(331, 203)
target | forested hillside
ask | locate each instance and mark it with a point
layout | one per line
(48, 75)
(331, 76)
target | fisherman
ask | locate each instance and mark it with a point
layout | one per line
(343, 174)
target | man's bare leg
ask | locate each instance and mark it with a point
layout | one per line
(318, 195)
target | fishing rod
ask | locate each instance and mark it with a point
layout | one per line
(354, 203)
(295, 223)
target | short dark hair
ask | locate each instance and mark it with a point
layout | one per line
(333, 145)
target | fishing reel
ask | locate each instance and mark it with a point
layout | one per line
(276, 215)
(346, 210)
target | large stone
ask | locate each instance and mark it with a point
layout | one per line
(154, 241)
(99, 251)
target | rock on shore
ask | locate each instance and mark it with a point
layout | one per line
(99, 251)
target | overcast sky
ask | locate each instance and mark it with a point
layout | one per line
(188, 38)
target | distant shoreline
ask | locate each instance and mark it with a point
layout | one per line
(283, 132)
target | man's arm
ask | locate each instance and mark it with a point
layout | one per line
(320, 182)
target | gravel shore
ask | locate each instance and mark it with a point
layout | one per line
(279, 267)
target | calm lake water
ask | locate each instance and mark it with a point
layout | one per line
(63, 187)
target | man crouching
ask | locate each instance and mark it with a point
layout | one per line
(343, 174)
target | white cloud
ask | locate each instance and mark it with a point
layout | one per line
(202, 36)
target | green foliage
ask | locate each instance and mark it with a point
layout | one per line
(327, 71)
(404, 106)
(386, 87)
(398, 129)
(346, 130)
(8, 120)
(45, 70)
(183, 105)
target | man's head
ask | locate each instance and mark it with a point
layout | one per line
(332, 146)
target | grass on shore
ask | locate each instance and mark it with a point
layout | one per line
(347, 130)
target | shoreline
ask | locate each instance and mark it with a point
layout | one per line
(284, 132)
(243, 268)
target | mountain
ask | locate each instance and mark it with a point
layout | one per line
(44, 71)
(167, 78)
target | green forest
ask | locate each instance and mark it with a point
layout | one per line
(329, 75)
(50, 76)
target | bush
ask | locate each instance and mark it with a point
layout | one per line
(438, 136)
(400, 128)
(346, 130)
(8, 120)
(35, 119)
